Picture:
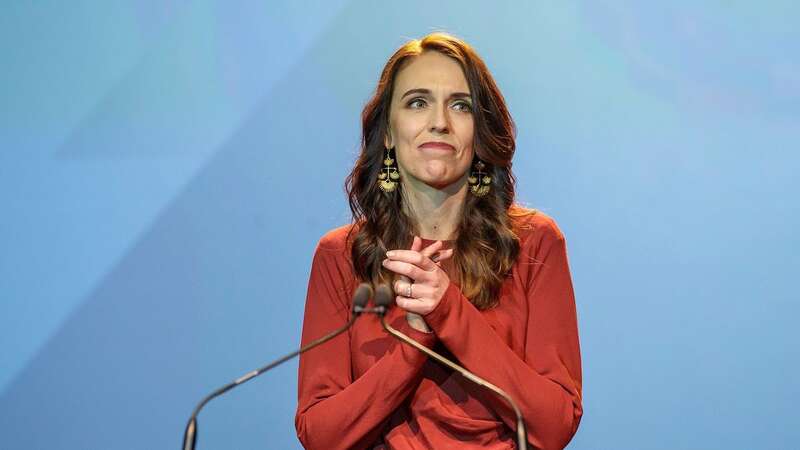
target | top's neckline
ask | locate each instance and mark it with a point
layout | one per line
(426, 242)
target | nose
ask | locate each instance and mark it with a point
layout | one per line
(439, 121)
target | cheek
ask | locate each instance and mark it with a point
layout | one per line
(409, 128)
(466, 163)
(469, 144)
(465, 130)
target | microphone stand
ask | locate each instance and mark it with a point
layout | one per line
(360, 297)
(383, 299)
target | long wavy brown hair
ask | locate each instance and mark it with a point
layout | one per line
(487, 245)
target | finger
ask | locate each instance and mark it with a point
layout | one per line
(416, 244)
(419, 291)
(401, 285)
(412, 257)
(442, 255)
(410, 270)
(432, 249)
(403, 278)
(412, 305)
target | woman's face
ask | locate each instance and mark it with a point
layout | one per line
(430, 122)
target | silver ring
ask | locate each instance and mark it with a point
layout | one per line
(409, 290)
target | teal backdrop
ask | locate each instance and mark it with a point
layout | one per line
(167, 167)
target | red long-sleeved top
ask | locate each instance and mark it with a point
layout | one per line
(365, 389)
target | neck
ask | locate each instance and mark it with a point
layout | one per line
(436, 211)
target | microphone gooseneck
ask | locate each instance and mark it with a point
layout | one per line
(360, 298)
(383, 299)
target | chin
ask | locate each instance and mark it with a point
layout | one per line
(444, 184)
(438, 177)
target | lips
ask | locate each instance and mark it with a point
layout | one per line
(439, 145)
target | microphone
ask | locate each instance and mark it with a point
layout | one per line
(383, 299)
(360, 297)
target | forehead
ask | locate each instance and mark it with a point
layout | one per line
(431, 70)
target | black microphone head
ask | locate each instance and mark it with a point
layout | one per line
(383, 296)
(362, 295)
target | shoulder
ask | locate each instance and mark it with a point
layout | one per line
(332, 254)
(534, 226)
(336, 240)
(541, 244)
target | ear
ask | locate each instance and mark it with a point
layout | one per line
(387, 138)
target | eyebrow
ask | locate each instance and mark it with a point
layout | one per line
(428, 92)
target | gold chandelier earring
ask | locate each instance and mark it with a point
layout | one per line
(480, 182)
(389, 177)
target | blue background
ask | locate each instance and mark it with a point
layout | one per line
(166, 169)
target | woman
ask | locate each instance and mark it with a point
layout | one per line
(477, 278)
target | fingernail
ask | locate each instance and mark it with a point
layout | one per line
(385, 261)
(390, 253)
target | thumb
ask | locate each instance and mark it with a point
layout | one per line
(416, 245)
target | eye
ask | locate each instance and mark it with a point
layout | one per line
(416, 103)
(462, 106)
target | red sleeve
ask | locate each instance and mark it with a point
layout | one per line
(546, 384)
(334, 411)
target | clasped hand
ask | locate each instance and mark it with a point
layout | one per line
(422, 282)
